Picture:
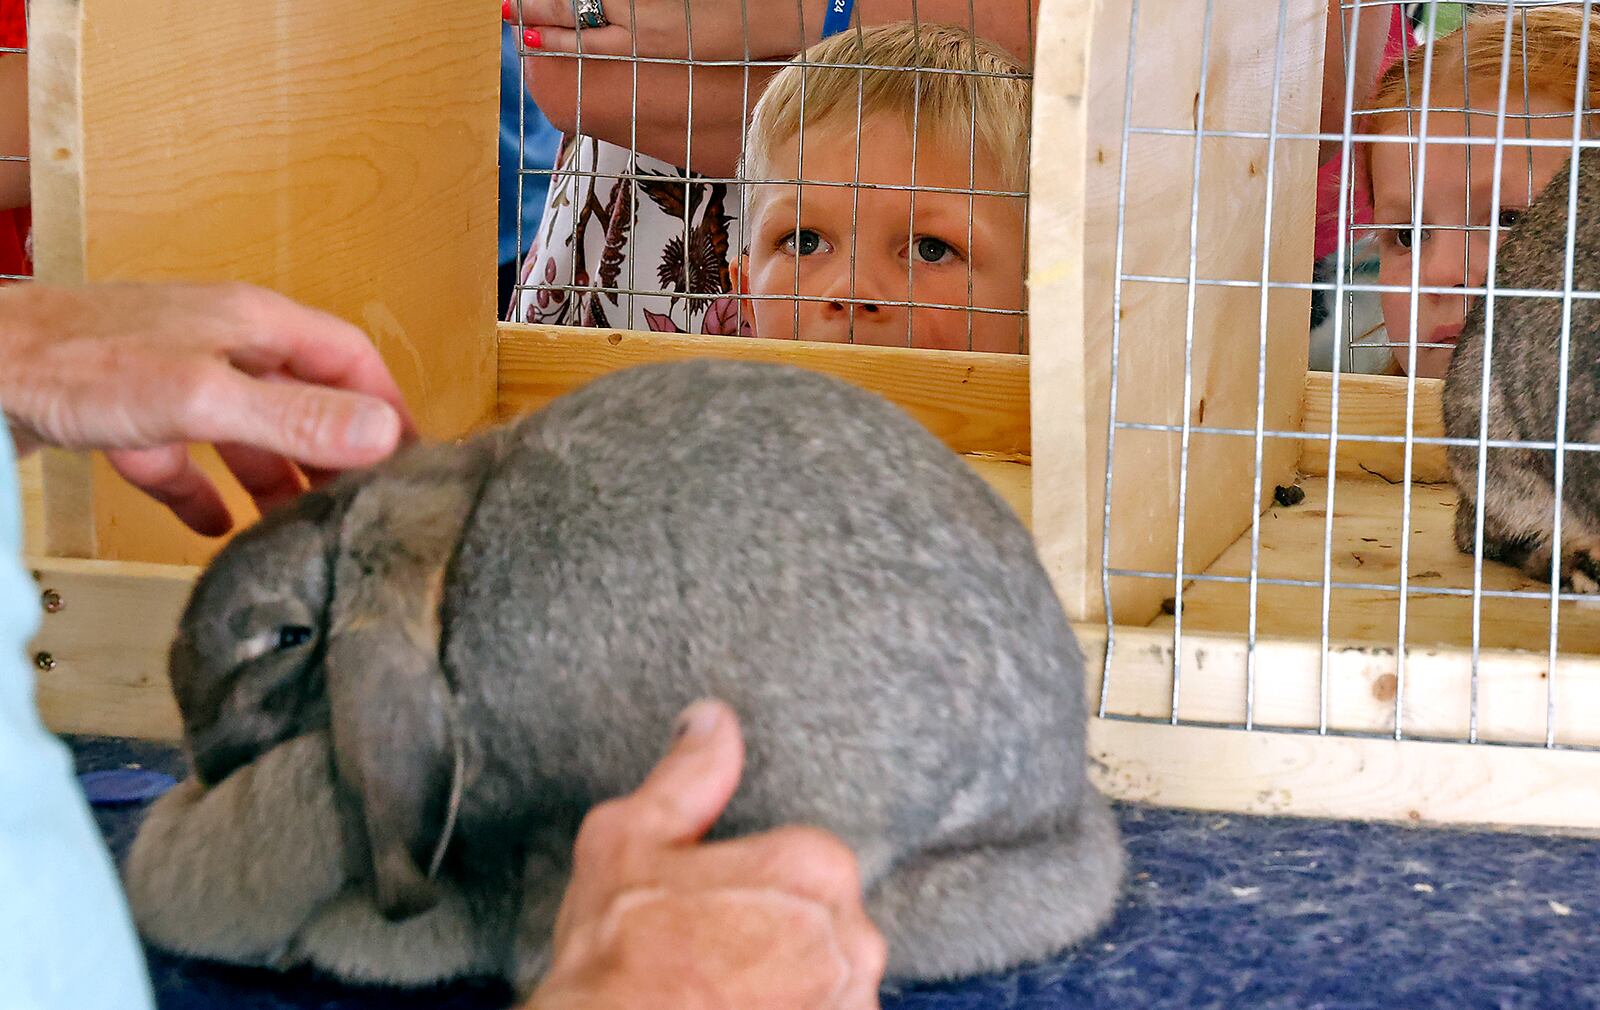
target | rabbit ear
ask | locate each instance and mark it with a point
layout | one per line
(396, 750)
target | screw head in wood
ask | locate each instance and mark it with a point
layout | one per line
(51, 601)
(44, 661)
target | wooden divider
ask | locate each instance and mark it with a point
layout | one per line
(342, 154)
(1077, 166)
(1374, 405)
(976, 403)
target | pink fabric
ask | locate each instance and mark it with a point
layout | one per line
(1327, 234)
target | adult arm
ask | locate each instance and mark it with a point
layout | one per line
(141, 371)
(707, 134)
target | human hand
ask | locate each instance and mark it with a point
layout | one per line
(723, 30)
(284, 391)
(653, 917)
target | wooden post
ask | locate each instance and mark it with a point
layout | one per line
(342, 154)
(1082, 78)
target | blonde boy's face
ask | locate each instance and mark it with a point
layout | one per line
(839, 257)
(1457, 190)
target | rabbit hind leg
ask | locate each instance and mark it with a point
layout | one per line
(960, 912)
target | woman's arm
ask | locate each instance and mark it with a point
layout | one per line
(761, 29)
(709, 136)
(707, 139)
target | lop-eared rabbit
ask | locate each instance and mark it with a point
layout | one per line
(401, 693)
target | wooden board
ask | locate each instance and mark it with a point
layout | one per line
(976, 403)
(107, 647)
(1366, 549)
(1374, 405)
(1354, 693)
(345, 159)
(1078, 148)
(1310, 776)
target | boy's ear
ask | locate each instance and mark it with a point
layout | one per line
(739, 271)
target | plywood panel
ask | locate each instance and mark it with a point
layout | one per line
(343, 158)
(1078, 148)
(977, 403)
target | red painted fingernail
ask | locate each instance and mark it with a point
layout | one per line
(532, 39)
(505, 10)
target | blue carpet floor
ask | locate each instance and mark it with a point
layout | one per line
(1221, 911)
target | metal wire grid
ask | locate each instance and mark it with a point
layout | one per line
(694, 302)
(1341, 287)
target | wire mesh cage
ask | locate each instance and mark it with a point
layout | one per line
(1250, 500)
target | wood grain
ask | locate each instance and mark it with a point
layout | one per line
(1374, 405)
(1310, 776)
(1218, 339)
(976, 403)
(108, 646)
(345, 159)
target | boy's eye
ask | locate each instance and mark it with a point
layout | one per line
(804, 242)
(933, 250)
(1510, 216)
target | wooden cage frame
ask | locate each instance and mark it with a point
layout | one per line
(346, 161)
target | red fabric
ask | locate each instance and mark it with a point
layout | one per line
(13, 24)
(1400, 41)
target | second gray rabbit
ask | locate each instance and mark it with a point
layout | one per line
(495, 635)
(1519, 484)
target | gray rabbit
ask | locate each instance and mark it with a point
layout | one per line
(488, 638)
(1519, 484)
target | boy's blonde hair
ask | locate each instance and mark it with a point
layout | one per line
(1544, 52)
(974, 87)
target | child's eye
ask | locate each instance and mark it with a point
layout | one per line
(1402, 236)
(804, 242)
(934, 250)
(1510, 216)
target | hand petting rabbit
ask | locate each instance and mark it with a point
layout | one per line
(428, 672)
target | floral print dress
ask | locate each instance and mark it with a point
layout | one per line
(631, 242)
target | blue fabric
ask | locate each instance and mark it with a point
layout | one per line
(1221, 911)
(526, 139)
(66, 941)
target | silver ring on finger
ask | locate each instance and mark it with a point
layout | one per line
(590, 13)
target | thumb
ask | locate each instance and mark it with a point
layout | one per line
(693, 783)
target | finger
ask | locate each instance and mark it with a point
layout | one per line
(868, 956)
(268, 478)
(168, 475)
(556, 13)
(612, 40)
(804, 861)
(311, 425)
(313, 346)
(689, 788)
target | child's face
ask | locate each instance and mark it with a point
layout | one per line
(893, 245)
(1456, 191)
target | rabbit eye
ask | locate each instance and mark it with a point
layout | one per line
(292, 635)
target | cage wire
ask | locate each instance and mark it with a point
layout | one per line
(603, 256)
(1514, 109)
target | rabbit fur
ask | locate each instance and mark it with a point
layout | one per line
(1519, 484)
(401, 693)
